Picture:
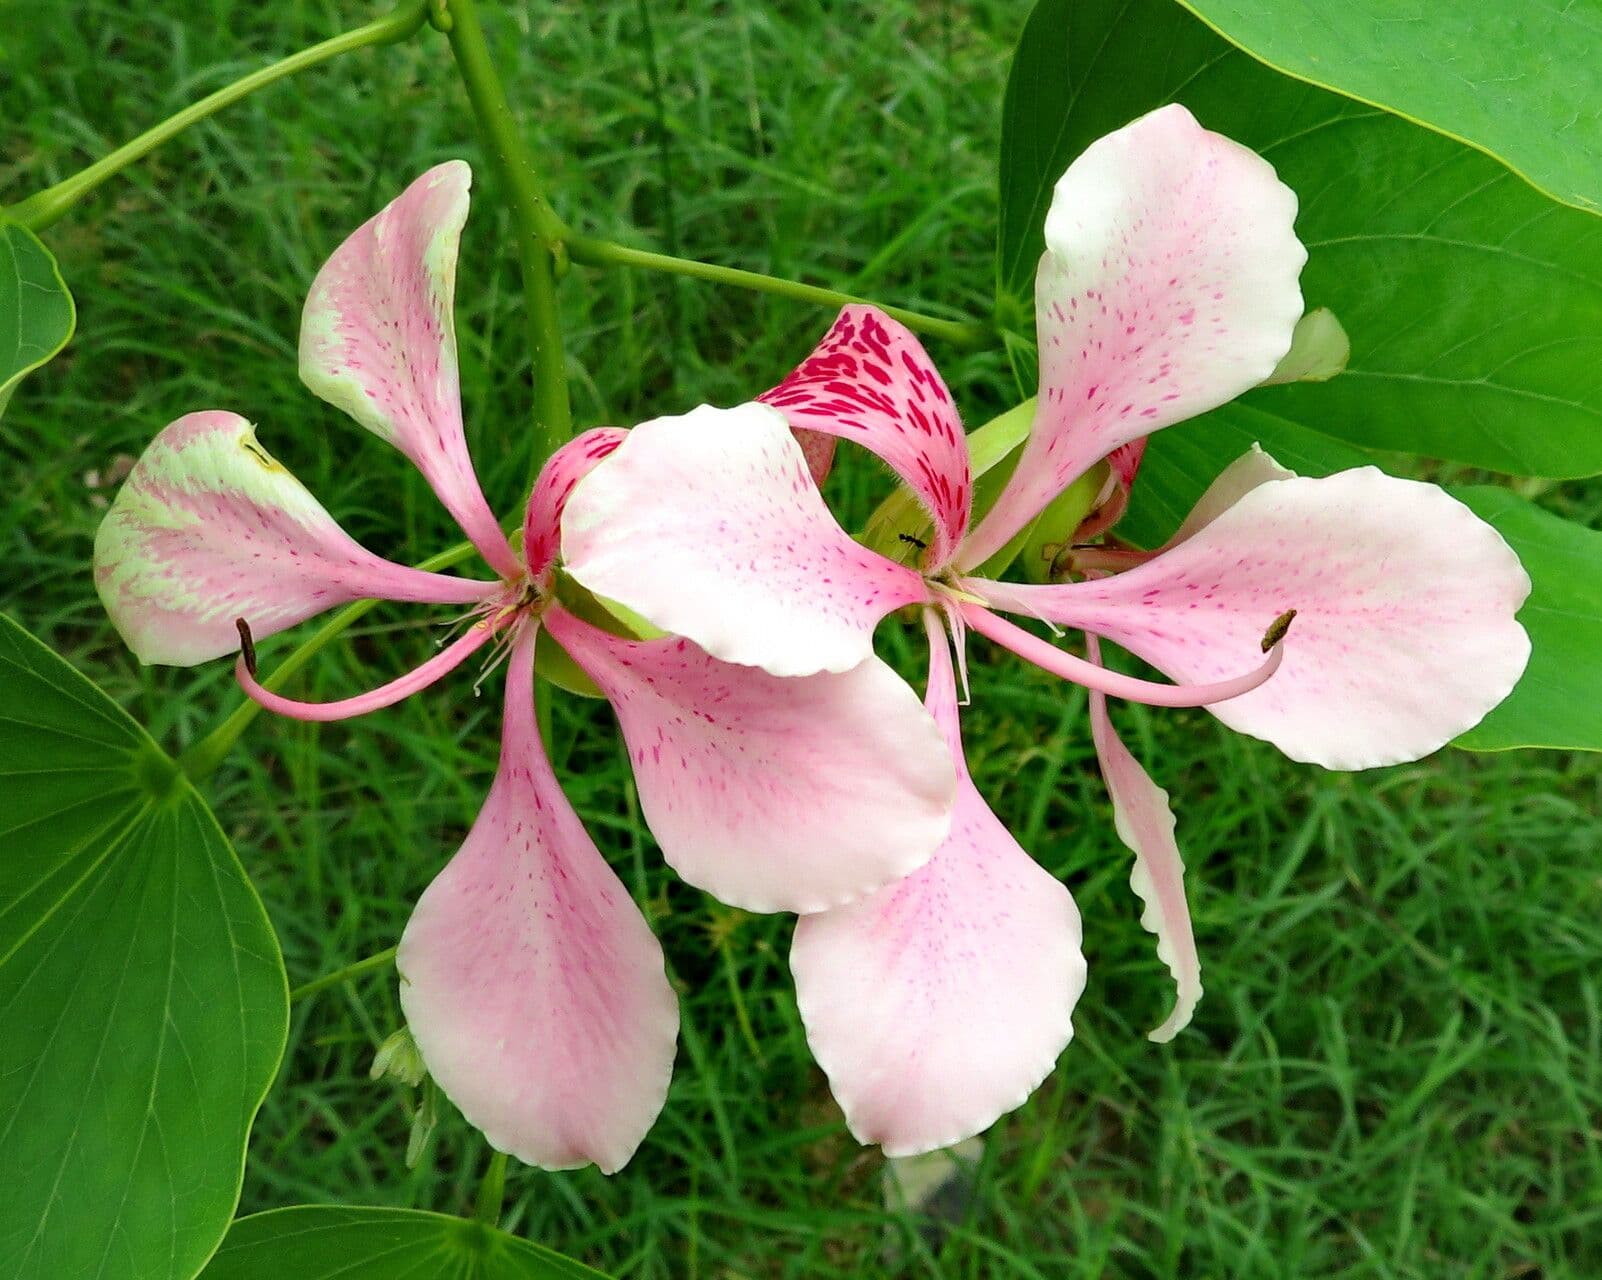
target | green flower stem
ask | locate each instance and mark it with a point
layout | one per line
(492, 1191)
(967, 334)
(380, 961)
(45, 207)
(540, 232)
(206, 754)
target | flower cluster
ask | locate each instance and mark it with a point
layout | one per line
(1352, 620)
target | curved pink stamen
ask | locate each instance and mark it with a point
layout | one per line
(1050, 658)
(446, 660)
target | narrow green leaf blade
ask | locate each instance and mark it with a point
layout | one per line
(1473, 304)
(333, 1242)
(1517, 79)
(36, 312)
(1558, 703)
(141, 991)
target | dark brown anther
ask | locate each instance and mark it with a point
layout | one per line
(247, 645)
(1278, 629)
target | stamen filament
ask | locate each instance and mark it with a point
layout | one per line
(1050, 658)
(385, 695)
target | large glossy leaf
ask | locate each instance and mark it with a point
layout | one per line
(1474, 304)
(1518, 79)
(143, 1008)
(36, 311)
(1558, 703)
(331, 1242)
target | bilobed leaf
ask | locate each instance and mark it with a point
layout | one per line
(1473, 304)
(332, 1242)
(142, 994)
(1515, 78)
(36, 311)
(1558, 703)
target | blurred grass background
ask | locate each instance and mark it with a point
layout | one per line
(1397, 1071)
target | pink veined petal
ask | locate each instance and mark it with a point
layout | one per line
(1145, 823)
(531, 983)
(1168, 287)
(441, 664)
(1125, 461)
(209, 527)
(941, 1002)
(542, 522)
(1046, 656)
(818, 450)
(708, 526)
(1234, 482)
(773, 793)
(1405, 631)
(378, 340)
(871, 381)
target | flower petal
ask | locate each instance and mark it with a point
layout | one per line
(940, 1003)
(773, 793)
(871, 381)
(531, 983)
(209, 527)
(378, 340)
(1404, 636)
(1145, 823)
(708, 526)
(1168, 287)
(1254, 467)
(1125, 461)
(542, 522)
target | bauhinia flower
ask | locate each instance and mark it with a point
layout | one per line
(1168, 287)
(532, 984)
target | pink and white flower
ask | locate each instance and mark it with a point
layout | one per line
(532, 984)
(1168, 287)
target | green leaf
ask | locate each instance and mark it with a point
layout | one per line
(142, 994)
(1038, 140)
(1474, 305)
(1558, 703)
(331, 1242)
(1517, 79)
(36, 311)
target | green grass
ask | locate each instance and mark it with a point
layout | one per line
(1397, 1070)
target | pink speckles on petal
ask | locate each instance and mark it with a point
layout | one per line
(773, 793)
(209, 527)
(1405, 632)
(378, 340)
(871, 381)
(542, 527)
(941, 1002)
(1168, 287)
(709, 526)
(532, 984)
